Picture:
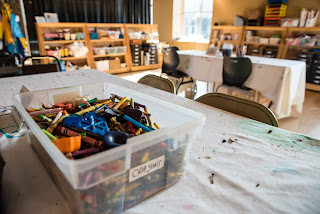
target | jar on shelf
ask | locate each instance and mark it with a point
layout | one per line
(66, 34)
(61, 34)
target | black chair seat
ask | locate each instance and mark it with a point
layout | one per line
(178, 74)
(246, 88)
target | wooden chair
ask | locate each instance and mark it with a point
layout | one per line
(157, 82)
(243, 107)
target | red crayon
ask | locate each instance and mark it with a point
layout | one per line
(69, 132)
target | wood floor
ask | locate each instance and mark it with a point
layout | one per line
(307, 123)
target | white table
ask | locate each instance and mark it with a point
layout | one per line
(281, 81)
(263, 172)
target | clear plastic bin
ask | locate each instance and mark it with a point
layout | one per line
(99, 51)
(122, 49)
(112, 50)
(113, 34)
(117, 179)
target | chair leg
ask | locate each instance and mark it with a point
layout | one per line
(270, 104)
(218, 89)
(258, 99)
(179, 84)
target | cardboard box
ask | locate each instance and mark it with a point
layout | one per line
(114, 63)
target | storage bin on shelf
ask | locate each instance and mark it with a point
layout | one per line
(122, 49)
(116, 179)
(111, 50)
(99, 51)
(113, 34)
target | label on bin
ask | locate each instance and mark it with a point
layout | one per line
(146, 168)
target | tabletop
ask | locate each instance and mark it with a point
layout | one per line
(281, 81)
(263, 168)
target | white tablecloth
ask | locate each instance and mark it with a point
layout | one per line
(281, 81)
(262, 172)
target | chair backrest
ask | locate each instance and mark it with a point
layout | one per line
(240, 106)
(9, 64)
(40, 68)
(236, 70)
(170, 60)
(157, 82)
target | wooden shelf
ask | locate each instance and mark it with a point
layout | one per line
(90, 58)
(62, 41)
(117, 70)
(106, 40)
(224, 41)
(257, 43)
(109, 55)
(73, 58)
(304, 47)
(145, 67)
(313, 87)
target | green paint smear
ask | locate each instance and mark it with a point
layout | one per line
(10, 136)
(278, 136)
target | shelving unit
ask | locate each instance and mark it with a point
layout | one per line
(218, 31)
(43, 28)
(123, 57)
(146, 28)
(290, 52)
(90, 58)
(284, 51)
(265, 32)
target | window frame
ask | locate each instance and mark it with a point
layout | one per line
(200, 23)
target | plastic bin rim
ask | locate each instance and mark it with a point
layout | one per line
(62, 158)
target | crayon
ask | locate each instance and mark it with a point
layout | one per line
(49, 135)
(120, 103)
(71, 133)
(47, 111)
(65, 114)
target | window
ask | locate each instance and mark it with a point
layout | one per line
(196, 18)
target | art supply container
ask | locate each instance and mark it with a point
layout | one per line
(117, 179)
(227, 49)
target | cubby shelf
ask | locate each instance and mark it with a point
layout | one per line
(91, 43)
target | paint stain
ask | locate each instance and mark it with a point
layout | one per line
(8, 135)
(284, 168)
(214, 150)
(280, 137)
(187, 207)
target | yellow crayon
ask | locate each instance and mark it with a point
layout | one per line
(156, 125)
(92, 108)
(138, 131)
(120, 103)
(145, 157)
(65, 114)
(147, 116)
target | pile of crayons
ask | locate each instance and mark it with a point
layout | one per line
(85, 126)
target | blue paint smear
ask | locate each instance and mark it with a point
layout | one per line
(278, 136)
(10, 136)
(284, 168)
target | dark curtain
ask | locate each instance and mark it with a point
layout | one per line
(89, 11)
